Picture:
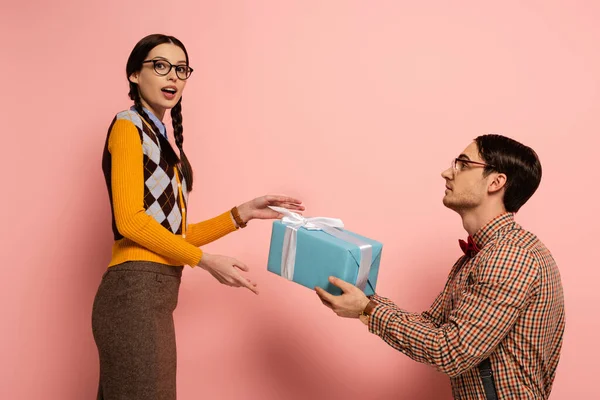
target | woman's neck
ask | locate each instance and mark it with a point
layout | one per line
(158, 113)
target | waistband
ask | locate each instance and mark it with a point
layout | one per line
(148, 266)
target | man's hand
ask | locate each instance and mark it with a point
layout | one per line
(348, 305)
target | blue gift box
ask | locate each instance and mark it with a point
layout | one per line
(320, 255)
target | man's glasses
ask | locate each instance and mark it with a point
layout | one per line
(458, 164)
(163, 67)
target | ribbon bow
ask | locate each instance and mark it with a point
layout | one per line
(312, 224)
(331, 226)
(469, 247)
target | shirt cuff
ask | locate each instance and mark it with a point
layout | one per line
(380, 318)
(383, 300)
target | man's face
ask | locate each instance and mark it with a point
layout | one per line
(466, 187)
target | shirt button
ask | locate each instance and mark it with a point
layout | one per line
(183, 235)
(179, 185)
(183, 209)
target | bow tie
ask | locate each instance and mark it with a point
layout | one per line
(469, 247)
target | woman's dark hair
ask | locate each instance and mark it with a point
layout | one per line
(518, 162)
(134, 64)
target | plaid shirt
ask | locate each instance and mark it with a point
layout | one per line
(505, 303)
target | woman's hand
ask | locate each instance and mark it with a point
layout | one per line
(259, 207)
(227, 271)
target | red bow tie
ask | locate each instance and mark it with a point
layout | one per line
(469, 247)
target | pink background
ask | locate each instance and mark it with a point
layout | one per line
(354, 106)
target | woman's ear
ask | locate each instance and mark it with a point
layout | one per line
(134, 77)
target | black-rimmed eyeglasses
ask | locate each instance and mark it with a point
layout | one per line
(163, 67)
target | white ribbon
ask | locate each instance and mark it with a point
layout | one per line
(331, 226)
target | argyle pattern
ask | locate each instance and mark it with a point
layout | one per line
(160, 189)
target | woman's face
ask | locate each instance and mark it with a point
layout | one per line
(161, 92)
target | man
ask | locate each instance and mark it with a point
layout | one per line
(496, 329)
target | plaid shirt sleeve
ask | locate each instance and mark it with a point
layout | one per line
(433, 316)
(502, 285)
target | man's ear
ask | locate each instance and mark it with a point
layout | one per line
(498, 182)
(134, 77)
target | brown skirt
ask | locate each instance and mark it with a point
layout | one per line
(132, 322)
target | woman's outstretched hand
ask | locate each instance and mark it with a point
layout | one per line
(227, 271)
(259, 208)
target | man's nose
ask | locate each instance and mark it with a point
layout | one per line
(447, 173)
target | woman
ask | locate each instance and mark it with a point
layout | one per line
(148, 184)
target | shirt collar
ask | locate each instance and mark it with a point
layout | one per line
(487, 232)
(162, 129)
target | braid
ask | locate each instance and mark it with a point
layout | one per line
(186, 167)
(168, 151)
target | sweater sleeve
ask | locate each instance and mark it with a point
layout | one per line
(210, 230)
(127, 174)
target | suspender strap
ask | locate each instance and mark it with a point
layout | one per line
(489, 387)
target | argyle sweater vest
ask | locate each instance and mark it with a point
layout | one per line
(161, 194)
(149, 200)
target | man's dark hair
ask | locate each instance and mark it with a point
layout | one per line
(518, 162)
